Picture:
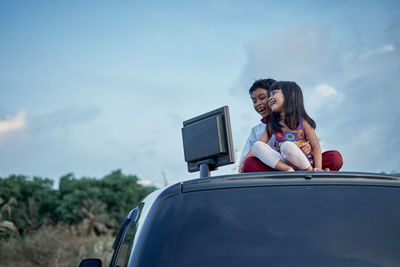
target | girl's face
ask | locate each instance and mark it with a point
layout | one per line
(260, 102)
(276, 101)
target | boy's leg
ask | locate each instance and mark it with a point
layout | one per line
(253, 164)
(332, 160)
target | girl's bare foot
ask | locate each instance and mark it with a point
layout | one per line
(281, 166)
(310, 168)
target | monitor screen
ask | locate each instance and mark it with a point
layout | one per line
(208, 138)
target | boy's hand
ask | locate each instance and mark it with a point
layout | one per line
(317, 169)
(240, 169)
(305, 147)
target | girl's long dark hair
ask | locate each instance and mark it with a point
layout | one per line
(293, 107)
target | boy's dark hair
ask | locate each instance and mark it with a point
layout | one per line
(293, 108)
(262, 83)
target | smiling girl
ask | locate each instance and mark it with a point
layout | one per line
(291, 126)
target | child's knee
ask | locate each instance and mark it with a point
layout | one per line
(288, 149)
(257, 147)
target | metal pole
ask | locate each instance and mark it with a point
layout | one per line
(204, 170)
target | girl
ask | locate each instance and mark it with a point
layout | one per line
(291, 126)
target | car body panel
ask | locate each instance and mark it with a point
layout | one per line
(154, 204)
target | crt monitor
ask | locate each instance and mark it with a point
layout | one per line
(207, 139)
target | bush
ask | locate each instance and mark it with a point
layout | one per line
(54, 246)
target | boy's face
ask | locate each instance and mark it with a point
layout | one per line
(260, 102)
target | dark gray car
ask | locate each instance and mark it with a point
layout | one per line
(266, 219)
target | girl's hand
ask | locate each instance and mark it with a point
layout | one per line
(316, 148)
(305, 147)
(317, 169)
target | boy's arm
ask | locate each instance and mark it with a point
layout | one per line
(316, 148)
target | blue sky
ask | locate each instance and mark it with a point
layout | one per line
(89, 87)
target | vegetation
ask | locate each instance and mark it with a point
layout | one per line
(43, 226)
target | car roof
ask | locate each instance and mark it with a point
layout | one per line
(274, 179)
(288, 178)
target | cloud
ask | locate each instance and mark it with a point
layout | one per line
(383, 49)
(295, 54)
(322, 96)
(13, 123)
(352, 94)
(64, 117)
(51, 142)
(392, 33)
(13, 128)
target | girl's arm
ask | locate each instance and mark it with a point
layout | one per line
(316, 148)
(264, 138)
(305, 147)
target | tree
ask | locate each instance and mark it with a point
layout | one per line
(102, 203)
(29, 202)
(7, 228)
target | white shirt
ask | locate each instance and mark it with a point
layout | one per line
(255, 134)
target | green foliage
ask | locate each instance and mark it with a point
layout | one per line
(93, 206)
(30, 203)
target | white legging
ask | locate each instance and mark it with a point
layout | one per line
(290, 154)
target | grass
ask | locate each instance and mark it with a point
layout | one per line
(54, 246)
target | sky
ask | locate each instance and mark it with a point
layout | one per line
(90, 87)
